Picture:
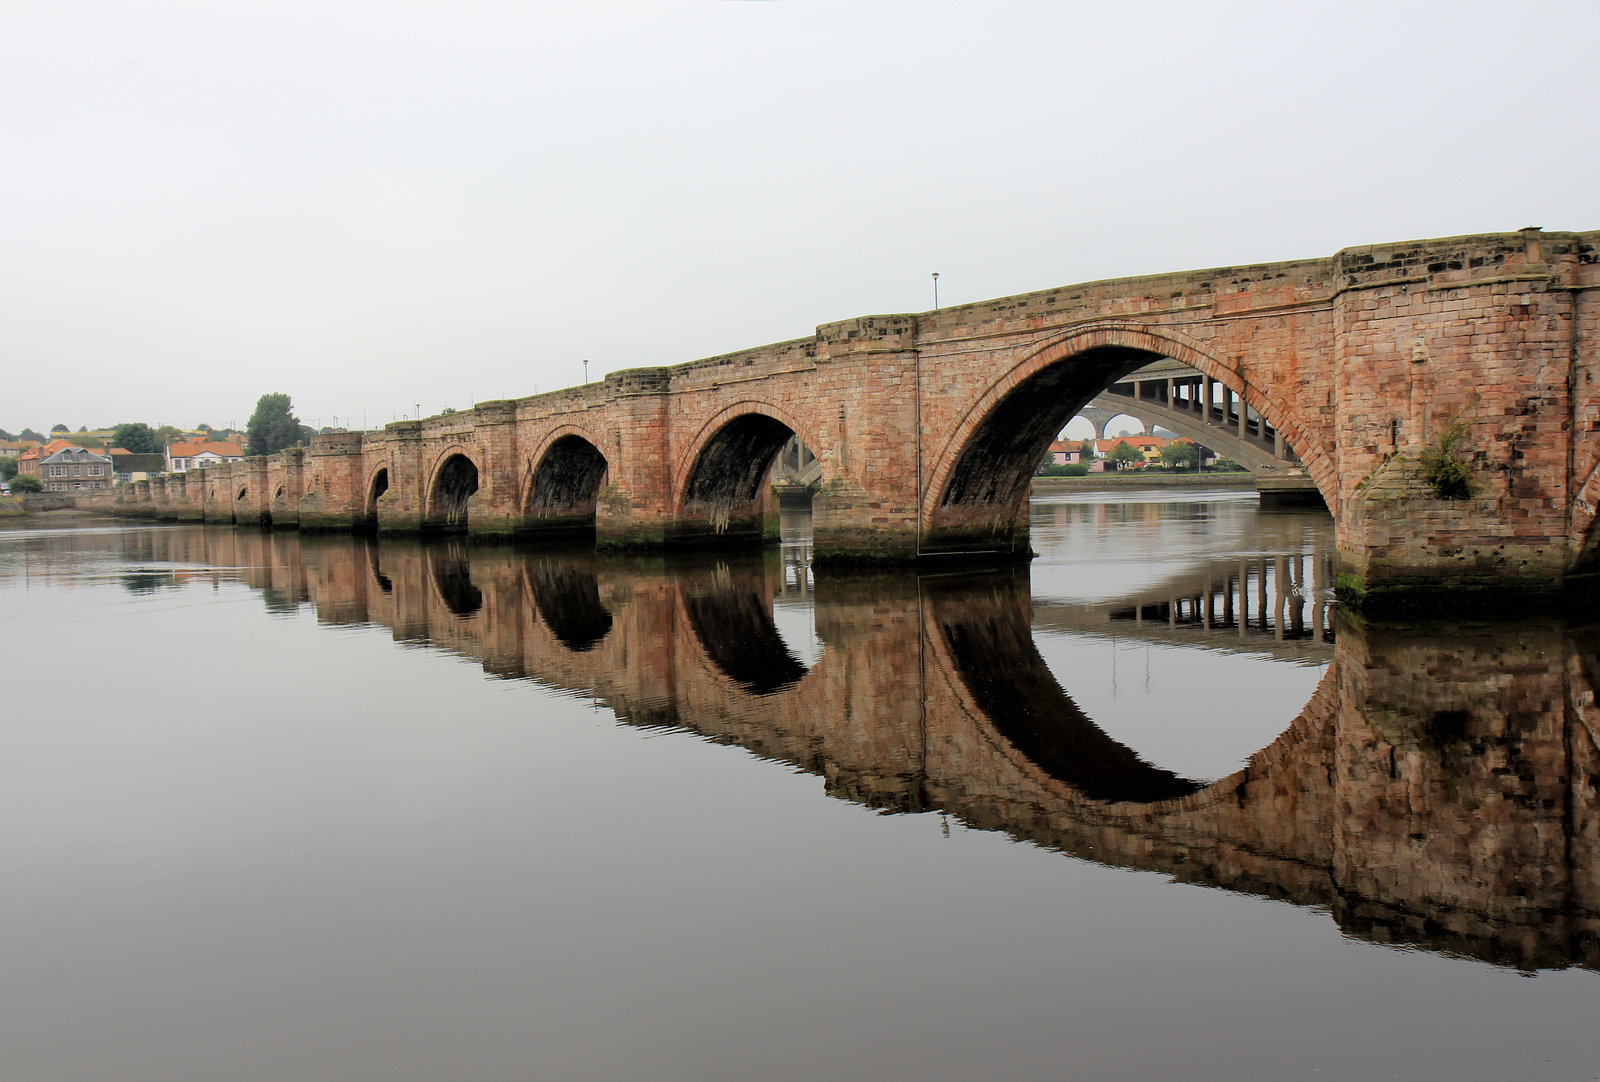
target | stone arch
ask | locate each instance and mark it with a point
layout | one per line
(980, 476)
(562, 482)
(377, 484)
(452, 482)
(718, 488)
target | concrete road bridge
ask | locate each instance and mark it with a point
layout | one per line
(930, 695)
(927, 427)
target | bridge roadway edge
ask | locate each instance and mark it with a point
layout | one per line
(1360, 360)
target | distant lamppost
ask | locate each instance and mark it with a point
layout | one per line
(586, 370)
(935, 291)
(418, 417)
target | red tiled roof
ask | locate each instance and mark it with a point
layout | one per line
(48, 449)
(1138, 443)
(221, 448)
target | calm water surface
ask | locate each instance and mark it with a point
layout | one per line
(322, 808)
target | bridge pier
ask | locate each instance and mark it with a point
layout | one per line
(286, 476)
(331, 502)
(492, 511)
(851, 525)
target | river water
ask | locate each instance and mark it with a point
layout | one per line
(282, 807)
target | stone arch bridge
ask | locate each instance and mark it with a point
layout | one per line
(928, 426)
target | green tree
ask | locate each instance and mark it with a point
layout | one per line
(54, 429)
(136, 436)
(1123, 456)
(1180, 454)
(8, 468)
(273, 426)
(26, 483)
(1086, 450)
(30, 434)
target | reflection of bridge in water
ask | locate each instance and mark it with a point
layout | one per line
(1458, 816)
(1280, 604)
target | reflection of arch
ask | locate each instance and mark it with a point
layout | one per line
(385, 583)
(720, 473)
(452, 580)
(568, 599)
(563, 487)
(990, 646)
(987, 461)
(733, 622)
(455, 479)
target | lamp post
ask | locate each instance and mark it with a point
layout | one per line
(935, 291)
(586, 370)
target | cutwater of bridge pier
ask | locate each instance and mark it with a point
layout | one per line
(927, 426)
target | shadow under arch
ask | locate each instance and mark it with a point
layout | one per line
(454, 483)
(375, 490)
(989, 642)
(979, 485)
(724, 496)
(563, 489)
(731, 615)
(566, 594)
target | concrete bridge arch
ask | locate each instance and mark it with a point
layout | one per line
(979, 482)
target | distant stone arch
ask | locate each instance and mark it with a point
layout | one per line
(720, 491)
(453, 484)
(563, 483)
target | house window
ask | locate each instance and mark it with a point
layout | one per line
(77, 471)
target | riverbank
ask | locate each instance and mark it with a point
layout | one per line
(1144, 479)
(43, 509)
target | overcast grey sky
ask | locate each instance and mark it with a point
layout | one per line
(370, 205)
